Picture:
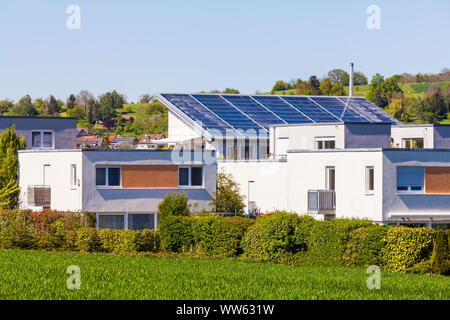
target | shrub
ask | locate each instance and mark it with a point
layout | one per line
(423, 267)
(404, 247)
(87, 240)
(17, 229)
(327, 239)
(278, 234)
(227, 234)
(228, 197)
(150, 240)
(174, 204)
(353, 247)
(176, 233)
(120, 241)
(440, 257)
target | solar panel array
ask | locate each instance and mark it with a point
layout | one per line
(224, 112)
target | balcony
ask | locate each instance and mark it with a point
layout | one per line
(321, 201)
(39, 196)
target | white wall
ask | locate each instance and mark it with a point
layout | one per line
(269, 177)
(400, 132)
(31, 172)
(306, 171)
(178, 130)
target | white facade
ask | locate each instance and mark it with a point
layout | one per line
(401, 135)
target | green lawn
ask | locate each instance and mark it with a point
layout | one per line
(42, 275)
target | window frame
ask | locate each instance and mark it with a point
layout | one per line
(106, 185)
(41, 132)
(411, 143)
(323, 140)
(189, 185)
(368, 176)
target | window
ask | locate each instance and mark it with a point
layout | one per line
(107, 177)
(325, 143)
(42, 139)
(330, 182)
(110, 221)
(370, 180)
(190, 177)
(141, 221)
(410, 179)
(413, 143)
(73, 176)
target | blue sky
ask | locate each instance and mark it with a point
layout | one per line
(154, 46)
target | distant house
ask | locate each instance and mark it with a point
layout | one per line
(82, 132)
(90, 142)
(124, 143)
(148, 141)
(43, 132)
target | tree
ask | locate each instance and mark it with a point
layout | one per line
(5, 106)
(337, 90)
(359, 79)
(76, 112)
(338, 76)
(24, 108)
(39, 105)
(174, 204)
(303, 87)
(325, 86)
(280, 85)
(145, 98)
(84, 98)
(10, 143)
(315, 85)
(51, 106)
(109, 103)
(231, 91)
(227, 197)
(381, 90)
(71, 101)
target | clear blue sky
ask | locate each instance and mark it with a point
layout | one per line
(154, 46)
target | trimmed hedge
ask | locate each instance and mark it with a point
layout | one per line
(440, 259)
(177, 233)
(405, 247)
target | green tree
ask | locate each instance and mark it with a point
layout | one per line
(24, 108)
(325, 86)
(145, 98)
(51, 106)
(10, 143)
(359, 79)
(337, 90)
(314, 82)
(338, 76)
(381, 90)
(109, 103)
(76, 112)
(227, 197)
(280, 85)
(174, 204)
(231, 91)
(71, 101)
(5, 106)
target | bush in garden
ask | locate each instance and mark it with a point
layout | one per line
(150, 240)
(174, 204)
(17, 229)
(327, 239)
(87, 240)
(176, 233)
(405, 247)
(440, 263)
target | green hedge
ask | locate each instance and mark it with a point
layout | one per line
(176, 233)
(405, 247)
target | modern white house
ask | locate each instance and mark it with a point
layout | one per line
(122, 187)
(349, 170)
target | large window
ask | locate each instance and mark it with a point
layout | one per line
(413, 143)
(42, 139)
(111, 221)
(410, 179)
(190, 176)
(141, 221)
(107, 176)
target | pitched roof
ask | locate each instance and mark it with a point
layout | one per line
(151, 136)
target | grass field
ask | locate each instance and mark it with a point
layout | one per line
(42, 275)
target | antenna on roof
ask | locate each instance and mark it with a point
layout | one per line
(350, 90)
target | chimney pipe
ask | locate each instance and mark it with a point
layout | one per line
(350, 91)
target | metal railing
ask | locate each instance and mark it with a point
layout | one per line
(39, 196)
(321, 201)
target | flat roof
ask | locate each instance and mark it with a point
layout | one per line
(365, 150)
(111, 150)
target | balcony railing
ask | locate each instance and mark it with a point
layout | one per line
(39, 196)
(321, 201)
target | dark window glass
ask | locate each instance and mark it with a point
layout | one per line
(110, 221)
(416, 188)
(48, 140)
(371, 180)
(141, 221)
(196, 176)
(114, 177)
(36, 139)
(100, 176)
(329, 144)
(183, 176)
(319, 145)
(401, 188)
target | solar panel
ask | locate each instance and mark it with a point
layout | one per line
(312, 110)
(226, 111)
(339, 109)
(254, 114)
(195, 111)
(369, 110)
(282, 109)
(254, 110)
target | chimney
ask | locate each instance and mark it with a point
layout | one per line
(350, 90)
